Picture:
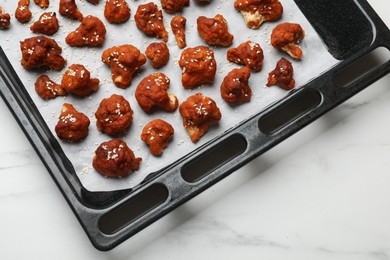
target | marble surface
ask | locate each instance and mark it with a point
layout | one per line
(322, 194)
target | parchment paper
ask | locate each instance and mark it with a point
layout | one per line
(315, 61)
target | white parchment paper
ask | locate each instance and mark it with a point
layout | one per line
(315, 61)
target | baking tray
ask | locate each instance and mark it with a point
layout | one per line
(350, 29)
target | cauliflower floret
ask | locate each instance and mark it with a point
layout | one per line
(157, 135)
(286, 37)
(149, 19)
(174, 6)
(198, 113)
(214, 31)
(152, 92)
(5, 19)
(178, 24)
(198, 66)
(22, 12)
(91, 32)
(42, 3)
(125, 61)
(282, 75)
(115, 159)
(249, 54)
(69, 9)
(256, 12)
(235, 87)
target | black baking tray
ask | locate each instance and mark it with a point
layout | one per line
(350, 29)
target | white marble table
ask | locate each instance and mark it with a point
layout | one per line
(322, 194)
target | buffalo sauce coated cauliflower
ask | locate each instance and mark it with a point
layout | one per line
(235, 88)
(286, 37)
(124, 61)
(149, 19)
(158, 54)
(48, 89)
(69, 9)
(46, 24)
(282, 75)
(198, 66)
(256, 12)
(72, 125)
(152, 92)
(249, 54)
(91, 32)
(77, 80)
(5, 19)
(115, 159)
(198, 113)
(117, 11)
(22, 12)
(42, 3)
(178, 24)
(173, 6)
(114, 115)
(41, 51)
(214, 31)
(157, 135)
